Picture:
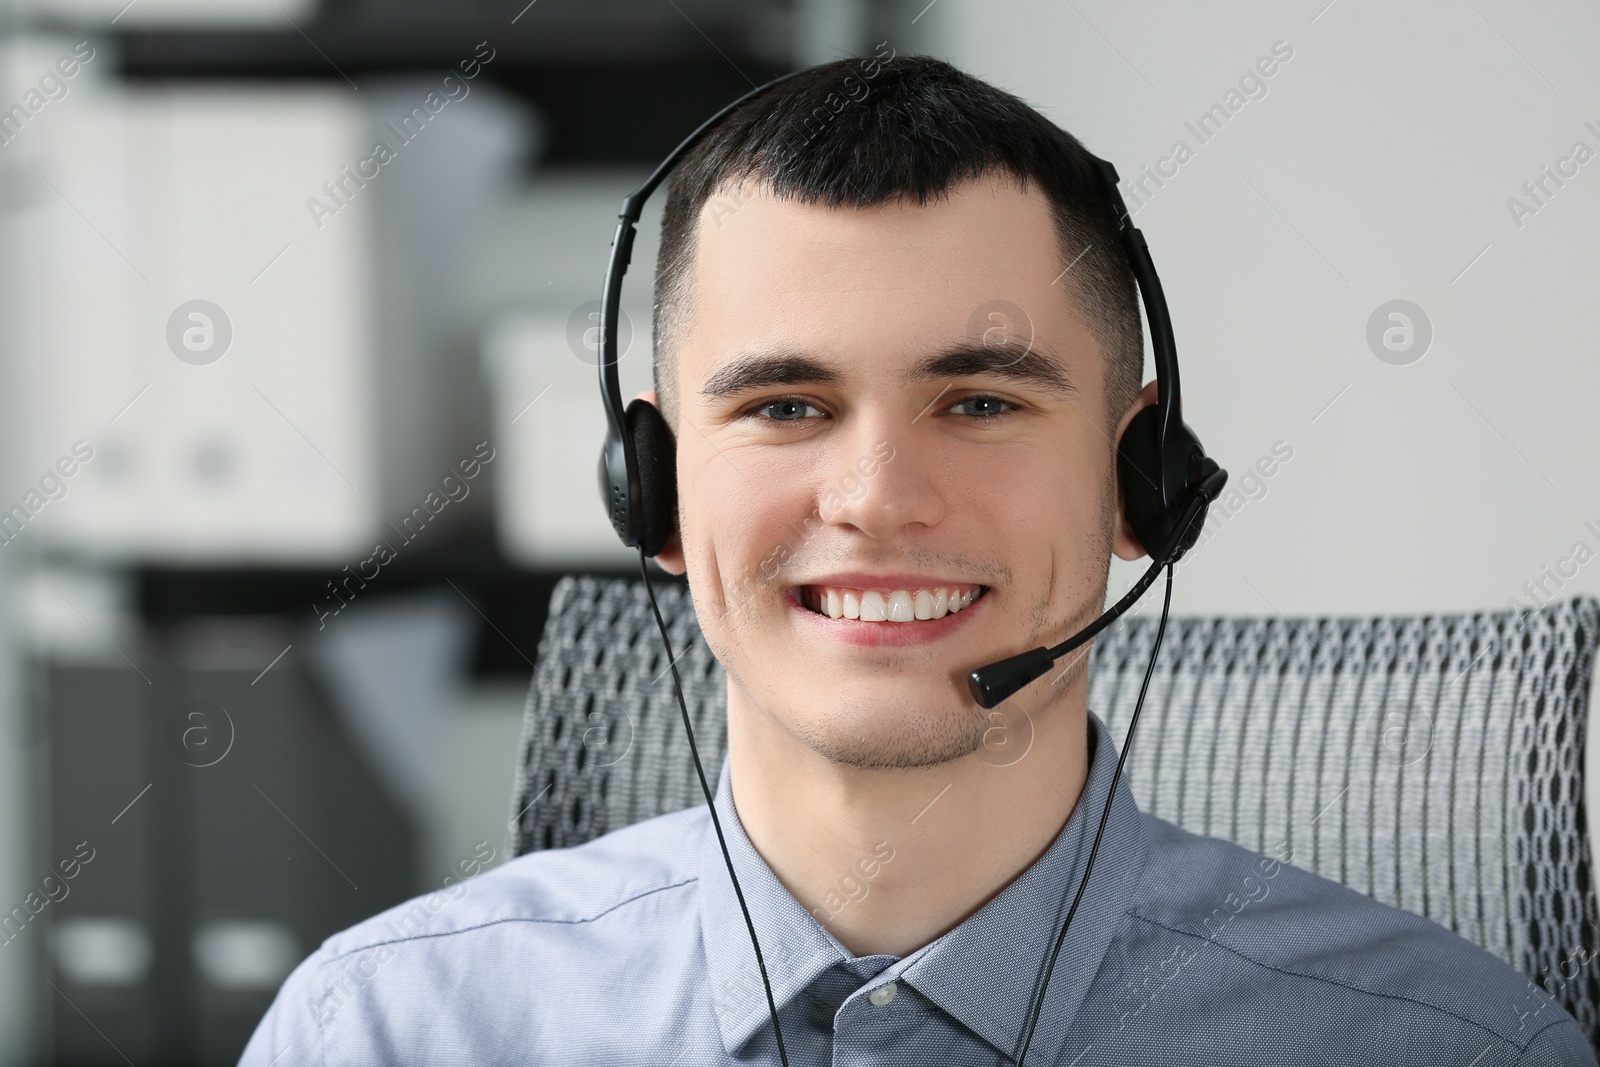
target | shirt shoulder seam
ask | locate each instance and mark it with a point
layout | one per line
(513, 919)
(1344, 985)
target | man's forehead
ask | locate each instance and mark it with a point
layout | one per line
(983, 238)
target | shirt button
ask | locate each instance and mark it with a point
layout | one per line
(883, 994)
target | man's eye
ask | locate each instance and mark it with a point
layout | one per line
(984, 407)
(788, 409)
(794, 409)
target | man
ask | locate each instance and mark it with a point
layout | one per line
(897, 346)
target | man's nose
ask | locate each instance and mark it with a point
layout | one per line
(884, 480)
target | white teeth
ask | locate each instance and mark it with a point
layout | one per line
(888, 605)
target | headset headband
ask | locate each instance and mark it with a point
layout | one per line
(1175, 452)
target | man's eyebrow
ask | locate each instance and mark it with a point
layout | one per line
(757, 370)
(963, 360)
(1036, 366)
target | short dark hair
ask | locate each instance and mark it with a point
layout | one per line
(861, 133)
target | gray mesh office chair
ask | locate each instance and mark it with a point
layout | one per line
(1432, 762)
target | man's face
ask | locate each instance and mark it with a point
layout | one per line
(857, 434)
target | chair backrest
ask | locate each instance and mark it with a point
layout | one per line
(1432, 762)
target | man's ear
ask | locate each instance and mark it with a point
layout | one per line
(1125, 544)
(670, 558)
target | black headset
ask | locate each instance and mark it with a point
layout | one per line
(1167, 483)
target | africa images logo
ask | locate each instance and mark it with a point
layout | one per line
(199, 332)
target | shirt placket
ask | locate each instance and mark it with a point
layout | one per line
(887, 1022)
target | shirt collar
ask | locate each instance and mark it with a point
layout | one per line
(796, 948)
(984, 972)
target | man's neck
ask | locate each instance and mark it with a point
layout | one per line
(890, 860)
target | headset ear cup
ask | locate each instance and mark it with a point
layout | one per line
(657, 453)
(1142, 470)
(1139, 475)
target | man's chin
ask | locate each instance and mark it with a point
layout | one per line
(890, 735)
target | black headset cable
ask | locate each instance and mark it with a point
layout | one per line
(716, 823)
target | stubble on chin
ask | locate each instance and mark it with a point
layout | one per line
(916, 740)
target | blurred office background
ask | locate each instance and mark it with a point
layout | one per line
(241, 351)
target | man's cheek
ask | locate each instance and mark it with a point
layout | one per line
(773, 563)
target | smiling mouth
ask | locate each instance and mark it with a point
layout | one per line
(888, 605)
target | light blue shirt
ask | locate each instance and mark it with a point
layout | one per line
(1186, 950)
